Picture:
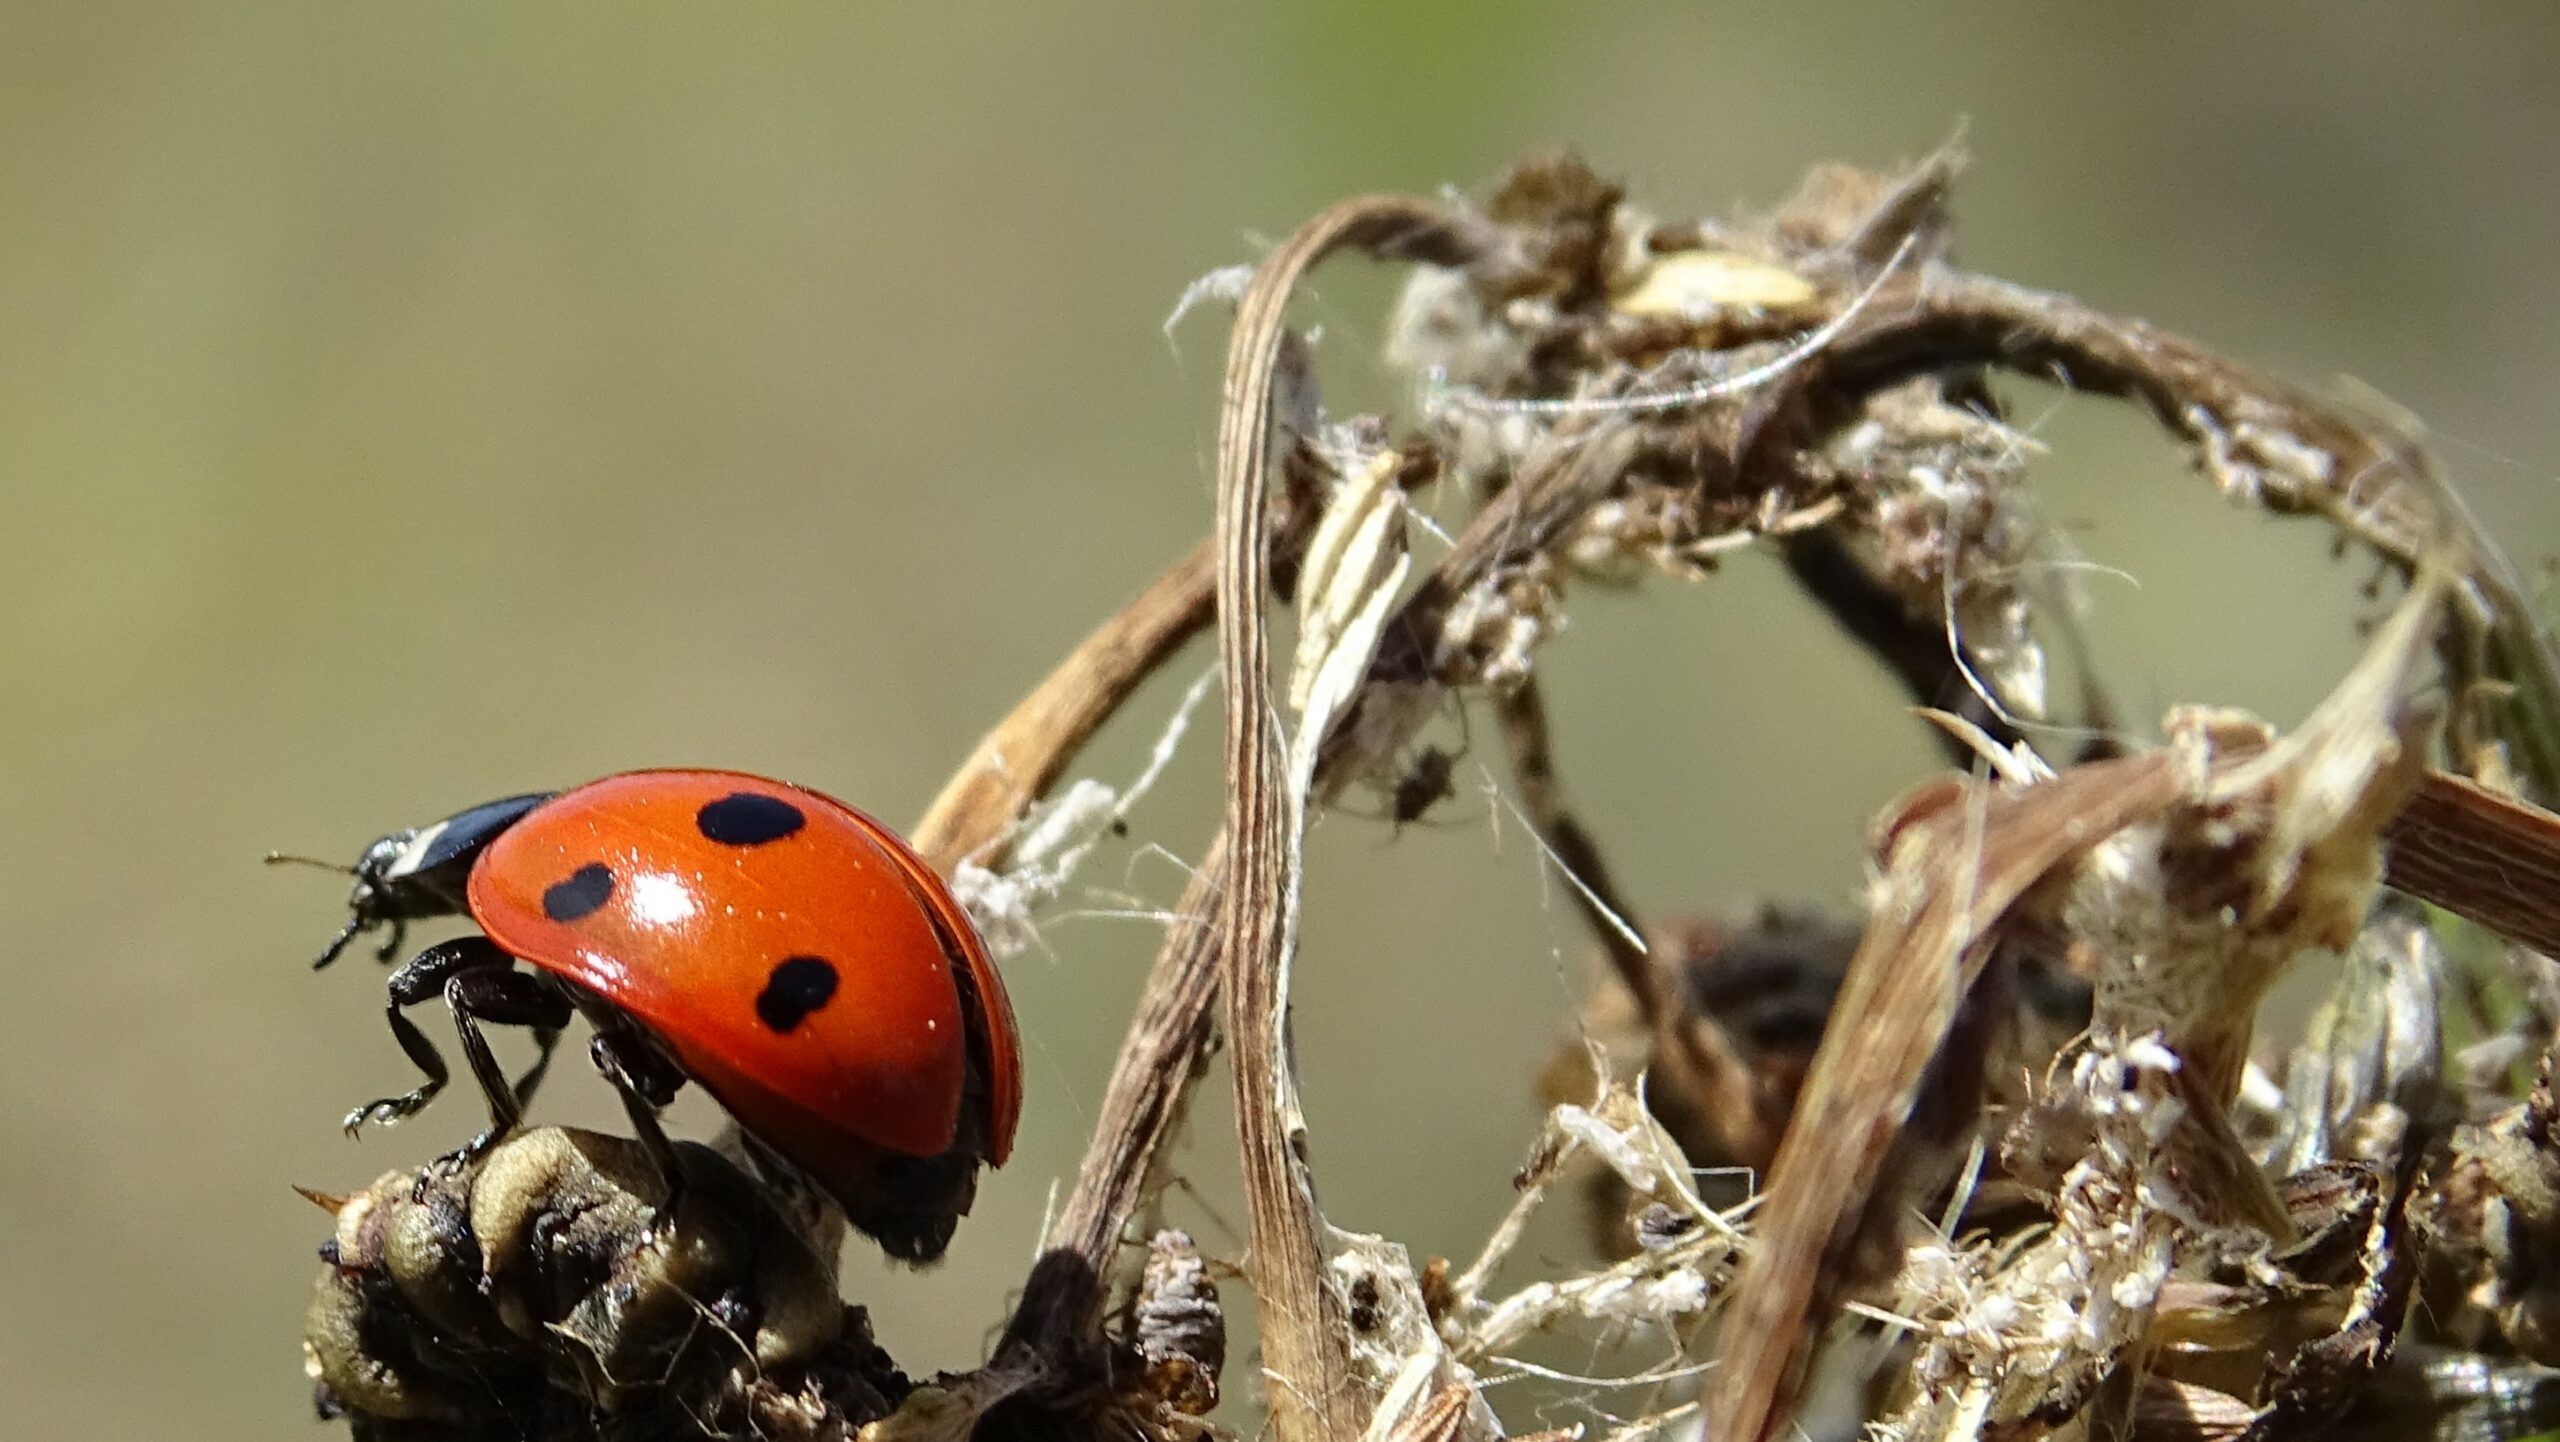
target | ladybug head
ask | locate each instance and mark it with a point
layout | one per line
(419, 872)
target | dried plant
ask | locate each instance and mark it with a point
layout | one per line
(2041, 1157)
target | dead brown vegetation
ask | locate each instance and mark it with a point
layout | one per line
(2143, 1237)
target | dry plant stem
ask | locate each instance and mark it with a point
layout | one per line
(1950, 879)
(1017, 762)
(1523, 713)
(1167, 1044)
(1306, 1354)
(1708, 1067)
(1945, 318)
(1917, 652)
(1573, 469)
(1170, 1036)
(2292, 451)
(2482, 856)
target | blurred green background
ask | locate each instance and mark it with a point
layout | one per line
(406, 405)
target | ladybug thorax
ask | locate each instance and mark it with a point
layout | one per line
(767, 935)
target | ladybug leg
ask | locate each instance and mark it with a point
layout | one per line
(502, 998)
(647, 1080)
(423, 976)
(354, 928)
(545, 1040)
(357, 925)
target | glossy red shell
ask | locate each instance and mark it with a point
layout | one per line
(692, 929)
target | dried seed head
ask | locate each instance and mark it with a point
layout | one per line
(539, 1282)
(1176, 1331)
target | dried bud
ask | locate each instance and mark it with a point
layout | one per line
(2166, 1411)
(1723, 1068)
(2371, 1063)
(535, 1293)
(1177, 1332)
(2493, 1230)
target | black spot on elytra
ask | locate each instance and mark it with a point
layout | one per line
(748, 818)
(798, 986)
(587, 888)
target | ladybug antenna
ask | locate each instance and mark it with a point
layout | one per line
(287, 858)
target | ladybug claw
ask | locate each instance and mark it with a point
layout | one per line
(383, 1112)
(434, 1174)
(445, 1169)
(670, 1199)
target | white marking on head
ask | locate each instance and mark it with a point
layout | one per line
(412, 853)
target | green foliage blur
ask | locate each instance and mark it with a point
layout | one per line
(406, 405)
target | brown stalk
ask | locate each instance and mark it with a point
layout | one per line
(1965, 853)
(1694, 1054)
(1305, 1332)
(2313, 457)
(1164, 1050)
(1169, 1039)
(1522, 710)
(1531, 519)
(2290, 451)
(2487, 858)
(1016, 763)
(1013, 766)
(1915, 649)
(1170, 1036)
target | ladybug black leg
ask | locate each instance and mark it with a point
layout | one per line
(421, 977)
(646, 1079)
(358, 924)
(501, 998)
(478, 983)
(545, 1040)
(354, 928)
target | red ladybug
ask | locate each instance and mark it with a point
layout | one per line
(781, 948)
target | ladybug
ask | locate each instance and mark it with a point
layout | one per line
(785, 951)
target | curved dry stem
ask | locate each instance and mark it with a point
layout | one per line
(1015, 764)
(1305, 1342)
(2254, 436)
(1523, 712)
(1170, 1037)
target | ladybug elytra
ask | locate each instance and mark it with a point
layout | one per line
(780, 948)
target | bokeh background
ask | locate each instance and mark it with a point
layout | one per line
(406, 405)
